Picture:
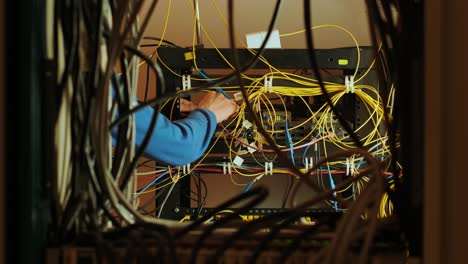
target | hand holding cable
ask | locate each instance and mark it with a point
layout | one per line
(217, 103)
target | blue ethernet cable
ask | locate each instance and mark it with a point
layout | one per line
(151, 184)
(249, 186)
(332, 186)
(290, 142)
(304, 154)
(219, 90)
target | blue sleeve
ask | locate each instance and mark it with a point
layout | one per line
(176, 142)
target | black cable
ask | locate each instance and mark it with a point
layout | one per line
(287, 191)
(139, 152)
(374, 20)
(294, 212)
(248, 229)
(146, 83)
(200, 185)
(399, 62)
(236, 63)
(123, 102)
(191, 198)
(163, 41)
(144, 164)
(161, 234)
(130, 248)
(282, 156)
(75, 158)
(72, 52)
(198, 193)
(154, 45)
(313, 61)
(381, 59)
(256, 191)
(206, 193)
(344, 231)
(294, 245)
(96, 80)
(78, 137)
(258, 195)
(287, 217)
(160, 78)
(87, 160)
(156, 196)
(215, 83)
(144, 211)
(269, 238)
(95, 51)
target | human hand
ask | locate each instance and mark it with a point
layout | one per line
(222, 107)
(186, 105)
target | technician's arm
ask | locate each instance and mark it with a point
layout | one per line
(176, 142)
(183, 141)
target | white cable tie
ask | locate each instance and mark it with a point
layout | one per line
(229, 168)
(268, 84)
(307, 164)
(354, 161)
(186, 82)
(188, 167)
(271, 168)
(224, 168)
(347, 166)
(347, 84)
(311, 162)
(183, 170)
(266, 168)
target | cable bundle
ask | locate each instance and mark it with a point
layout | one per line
(96, 195)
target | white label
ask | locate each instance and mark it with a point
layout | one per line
(251, 150)
(255, 40)
(238, 161)
(247, 124)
